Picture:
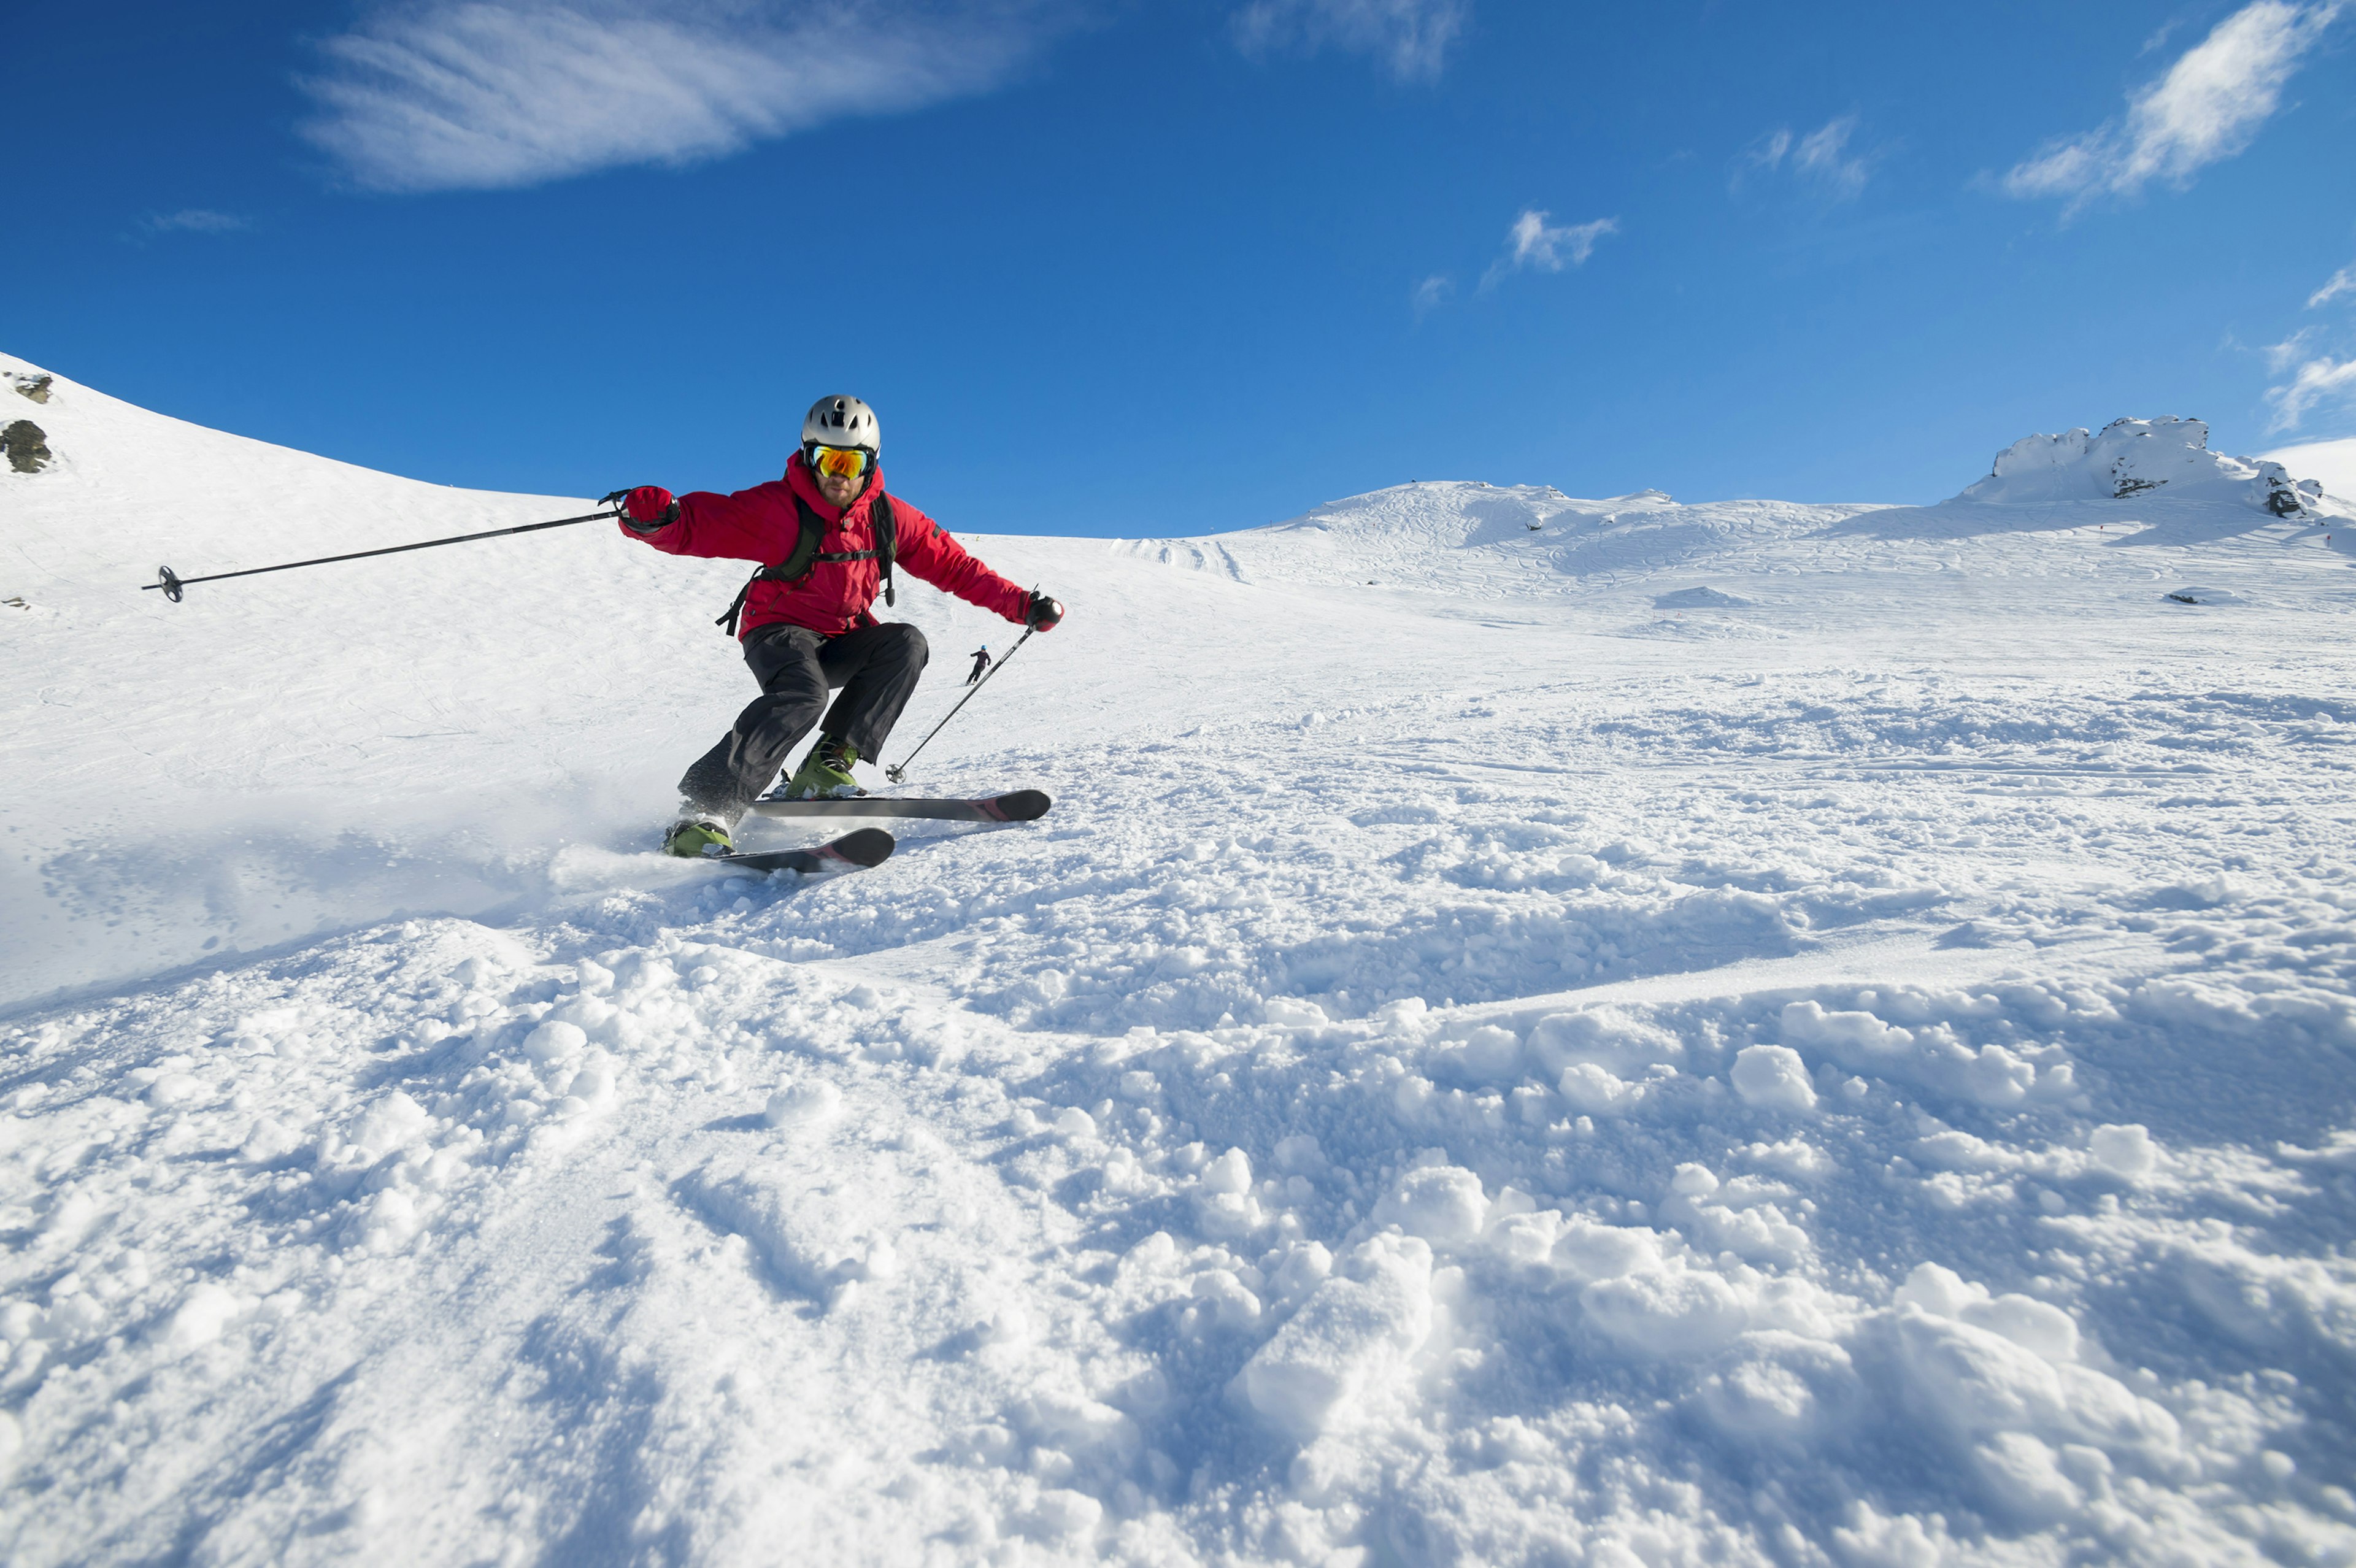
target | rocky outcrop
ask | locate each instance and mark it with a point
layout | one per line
(27, 447)
(2130, 457)
(2284, 496)
(33, 386)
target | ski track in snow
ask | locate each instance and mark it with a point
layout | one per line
(1848, 1065)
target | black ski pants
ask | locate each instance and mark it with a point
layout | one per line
(876, 666)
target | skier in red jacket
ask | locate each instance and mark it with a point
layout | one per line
(807, 627)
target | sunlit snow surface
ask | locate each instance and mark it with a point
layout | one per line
(1538, 1030)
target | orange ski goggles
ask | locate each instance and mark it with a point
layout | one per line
(842, 462)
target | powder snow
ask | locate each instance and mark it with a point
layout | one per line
(1538, 1030)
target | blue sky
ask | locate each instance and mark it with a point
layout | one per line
(1125, 268)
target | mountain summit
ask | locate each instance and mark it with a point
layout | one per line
(2131, 457)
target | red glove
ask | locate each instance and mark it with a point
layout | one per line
(648, 507)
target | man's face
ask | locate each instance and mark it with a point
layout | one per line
(840, 490)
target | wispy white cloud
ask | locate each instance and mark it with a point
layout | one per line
(1432, 294)
(1532, 242)
(1538, 244)
(194, 220)
(1409, 36)
(2319, 380)
(454, 94)
(2281, 356)
(1765, 154)
(2305, 357)
(2342, 281)
(2315, 378)
(1824, 154)
(1822, 158)
(2208, 107)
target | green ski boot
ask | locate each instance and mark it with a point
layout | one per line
(825, 773)
(697, 836)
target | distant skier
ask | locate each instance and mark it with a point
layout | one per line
(828, 535)
(980, 664)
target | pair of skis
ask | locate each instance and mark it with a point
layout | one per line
(867, 847)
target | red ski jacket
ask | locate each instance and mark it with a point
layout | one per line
(762, 525)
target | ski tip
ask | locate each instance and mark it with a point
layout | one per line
(867, 847)
(1022, 804)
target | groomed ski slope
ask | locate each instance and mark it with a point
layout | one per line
(1538, 1030)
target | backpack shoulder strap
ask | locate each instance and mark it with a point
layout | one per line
(793, 569)
(805, 554)
(887, 540)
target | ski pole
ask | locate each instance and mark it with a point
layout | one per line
(897, 773)
(171, 582)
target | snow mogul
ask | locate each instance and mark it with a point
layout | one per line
(829, 535)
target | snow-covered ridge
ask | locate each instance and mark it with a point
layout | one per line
(1446, 515)
(1483, 539)
(1742, 1033)
(2131, 456)
(1525, 541)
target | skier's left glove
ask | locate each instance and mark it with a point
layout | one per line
(647, 508)
(1043, 613)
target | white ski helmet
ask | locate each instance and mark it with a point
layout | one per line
(843, 422)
